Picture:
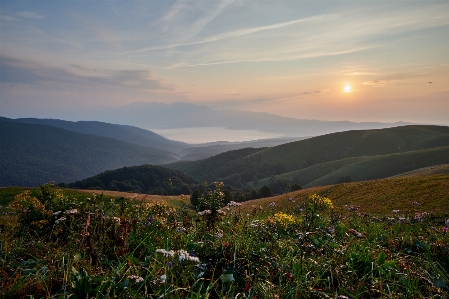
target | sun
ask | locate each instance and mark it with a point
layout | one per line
(348, 88)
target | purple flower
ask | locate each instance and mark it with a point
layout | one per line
(150, 220)
(170, 264)
(445, 229)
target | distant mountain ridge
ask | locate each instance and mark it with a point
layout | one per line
(180, 115)
(124, 133)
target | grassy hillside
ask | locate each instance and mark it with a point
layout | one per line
(32, 154)
(124, 133)
(336, 146)
(365, 168)
(324, 159)
(431, 170)
(378, 197)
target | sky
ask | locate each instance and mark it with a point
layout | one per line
(383, 61)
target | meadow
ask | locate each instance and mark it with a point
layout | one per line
(373, 239)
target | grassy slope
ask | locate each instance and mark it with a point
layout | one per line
(332, 148)
(336, 146)
(379, 197)
(431, 170)
(365, 168)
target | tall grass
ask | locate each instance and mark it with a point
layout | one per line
(53, 246)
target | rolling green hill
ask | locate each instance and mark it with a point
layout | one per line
(364, 168)
(141, 179)
(32, 154)
(324, 159)
(336, 146)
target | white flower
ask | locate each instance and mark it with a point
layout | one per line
(163, 278)
(138, 279)
(60, 219)
(185, 256)
(395, 211)
(73, 211)
(272, 204)
(56, 213)
(166, 253)
(205, 212)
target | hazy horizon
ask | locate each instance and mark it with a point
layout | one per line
(364, 61)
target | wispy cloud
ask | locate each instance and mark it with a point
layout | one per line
(237, 33)
(31, 15)
(8, 18)
(21, 71)
(377, 83)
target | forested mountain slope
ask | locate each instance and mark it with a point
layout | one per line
(32, 154)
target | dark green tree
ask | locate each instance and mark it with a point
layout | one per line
(295, 187)
(265, 191)
(195, 197)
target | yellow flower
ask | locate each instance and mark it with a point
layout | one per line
(284, 218)
(322, 203)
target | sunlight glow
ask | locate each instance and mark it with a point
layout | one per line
(348, 88)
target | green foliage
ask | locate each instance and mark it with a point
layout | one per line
(213, 200)
(265, 191)
(140, 179)
(295, 187)
(123, 249)
(195, 197)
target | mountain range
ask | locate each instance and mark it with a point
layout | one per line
(181, 115)
(35, 151)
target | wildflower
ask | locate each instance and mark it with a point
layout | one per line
(166, 253)
(56, 213)
(447, 222)
(185, 256)
(73, 211)
(138, 279)
(205, 212)
(170, 264)
(219, 235)
(60, 220)
(150, 220)
(444, 229)
(395, 211)
(320, 202)
(416, 203)
(272, 204)
(116, 219)
(284, 218)
(331, 229)
(163, 278)
(181, 229)
(234, 204)
(291, 199)
(254, 223)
